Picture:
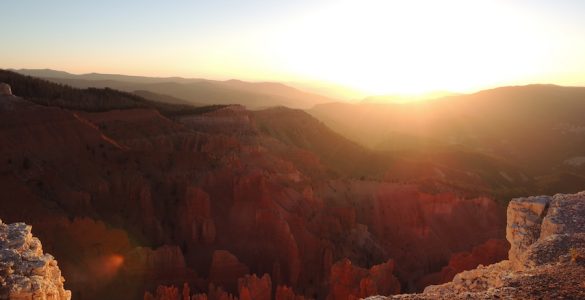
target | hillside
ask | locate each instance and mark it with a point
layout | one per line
(441, 167)
(253, 95)
(538, 128)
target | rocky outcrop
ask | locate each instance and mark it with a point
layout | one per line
(525, 216)
(5, 89)
(25, 271)
(348, 281)
(546, 258)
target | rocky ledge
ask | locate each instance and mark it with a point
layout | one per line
(25, 272)
(546, 258)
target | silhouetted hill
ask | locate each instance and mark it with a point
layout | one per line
(162, 98)
(195, 91)
(48, 93)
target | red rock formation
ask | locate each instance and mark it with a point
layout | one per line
(490, 252)
(163, 261)
(351, 282)
(286, 293)
(253, 288)
(415, 229)
(186, 291)
(217, 293)
(226, 269)
(163, 293)
(209, 184)
(199, 297)
(194, 217)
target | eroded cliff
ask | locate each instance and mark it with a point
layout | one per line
(546, 259)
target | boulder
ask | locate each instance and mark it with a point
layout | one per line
(5, 89)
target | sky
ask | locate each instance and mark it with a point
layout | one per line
(374, 46)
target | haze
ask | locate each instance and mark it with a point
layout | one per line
(272, 150)
(372, 47)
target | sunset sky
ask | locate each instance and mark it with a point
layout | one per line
(377, 46)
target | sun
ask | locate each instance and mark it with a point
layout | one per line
(410, 47)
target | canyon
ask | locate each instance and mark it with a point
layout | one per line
(546, 260)
(143, 200)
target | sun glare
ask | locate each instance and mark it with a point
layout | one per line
(412, 47)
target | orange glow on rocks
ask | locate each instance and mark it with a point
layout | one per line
(107, 267)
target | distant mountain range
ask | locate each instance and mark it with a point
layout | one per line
(539, 128)
(253, 95)
(398, 98)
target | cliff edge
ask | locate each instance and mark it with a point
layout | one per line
(546, 258)
(25, 271)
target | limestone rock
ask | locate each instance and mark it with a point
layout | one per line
(25, 271)
(525, 216)
(565, 215)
